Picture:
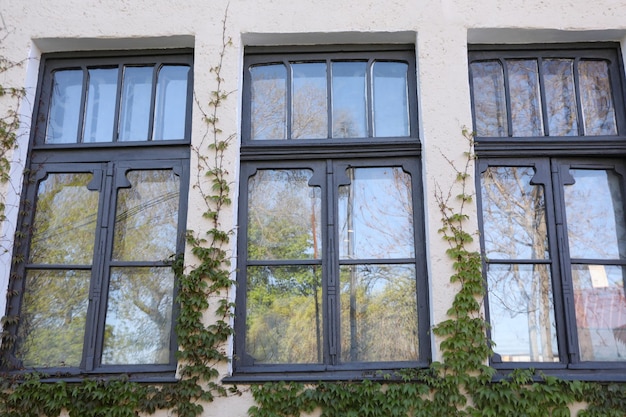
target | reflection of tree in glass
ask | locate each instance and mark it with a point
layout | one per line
(140, 299)
(515, 229)
(54, 305)
(284, 303)
(378, 313)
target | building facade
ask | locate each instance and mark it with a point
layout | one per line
(344, 127)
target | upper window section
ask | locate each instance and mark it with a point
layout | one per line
(544, 94)
(121, 102)
(334, 97)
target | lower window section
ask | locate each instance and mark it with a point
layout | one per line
(328, 267)
(554, 239)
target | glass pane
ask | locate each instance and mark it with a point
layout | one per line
(376, 214)
(525, 98)
(489, 99)
(558, 75)
(521, 313)
(170, 109)
(52, 320)
(284, 215)
(378, 313)
(349, 99)
(310, 108)
(146, 221)
(139, 316)
(594, 206)
(284, 314)
(269, 101)
(67, 88)
(65, 220)
(391, 105)
(514, 218)
(136, 96)
(600, 312)
(100, 112)
(596, 98)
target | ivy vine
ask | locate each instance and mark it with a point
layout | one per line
(201, 347)
(462, 384)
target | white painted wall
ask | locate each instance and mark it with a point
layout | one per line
(440, 29)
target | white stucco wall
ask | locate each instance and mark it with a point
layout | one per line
(440, 30)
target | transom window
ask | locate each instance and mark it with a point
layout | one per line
(331, 271)
(105, 198)
(553, 223)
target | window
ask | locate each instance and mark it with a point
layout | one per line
(331, 267)
(550, 140)
(103, 216)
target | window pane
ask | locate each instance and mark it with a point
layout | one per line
(376, 214)
(349, 99)
(65, 220)
(525, 98)
(521, 313)
(560, 97)
(489, 99)
(514, 218)
(52, 318)
(139, 316)
(310, 108)
(391, 106)
(284, 215)
(171, 103)
(594, 206)
(596, 98)
(146, 219)
(284, 314)
(101, 99)
(67, 88)
(136, 96)
(378, 313)
(600, 312)
(269, 101)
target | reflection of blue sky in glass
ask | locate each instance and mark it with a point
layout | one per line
(100, 111)
(136, 95)
(522, 328)
(171, 103)
(375, 215)
(65, 107)
(349, 102)
(595, 215)
(391, 110)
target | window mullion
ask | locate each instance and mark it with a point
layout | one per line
(507, 95)
(561, 178)
(331, 268)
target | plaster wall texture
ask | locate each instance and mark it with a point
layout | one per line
(440, 30)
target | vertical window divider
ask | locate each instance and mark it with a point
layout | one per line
(578, 95)
(542, 94)
(369, 97)
(83, 103)
(289, 102)
(118, 102)
(329, 97)
(507, 97)
(156, 70)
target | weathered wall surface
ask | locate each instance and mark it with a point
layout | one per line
(440, 30)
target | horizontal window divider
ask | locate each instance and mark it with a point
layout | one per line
(389, 261)
(600, 262)
(518, 261)
(123, 153)
(304, 151)
(57, 266)
(286, 262)
(161, 263)
(544, 146)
